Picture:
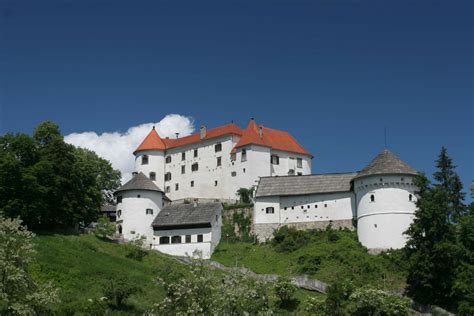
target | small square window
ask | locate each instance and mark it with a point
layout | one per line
(144, 160)
(195, 167)
(200, 238)
(152, 176)
(275, 160)
(233, 173)
(168, 159)
(270, 210)
(218, 147)
(188, 239)
(244, 155)
(149, 211)
(192, 184)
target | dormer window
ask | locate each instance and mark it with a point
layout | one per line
(244, 155)
(145, 160)
(168, 159)
(218, 148)
(275, 160)
(152, 176)
(168, 176)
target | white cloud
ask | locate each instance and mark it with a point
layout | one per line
(118, 147)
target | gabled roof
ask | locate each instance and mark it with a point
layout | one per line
(182, 215)
(139, 182)
(386, 163)
(272, 138)
(303, 185)
(152, 141)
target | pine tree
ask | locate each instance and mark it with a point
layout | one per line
(432, 250)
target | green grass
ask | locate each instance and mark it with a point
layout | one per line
(344, 258)
(79, 265)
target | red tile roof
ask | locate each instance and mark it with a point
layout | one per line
(272, 138)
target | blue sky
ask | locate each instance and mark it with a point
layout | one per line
(332, 73)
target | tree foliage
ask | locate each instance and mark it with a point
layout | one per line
(246, 195)
(49, 183)
(19, 293)
(104, 227)
(285, 290)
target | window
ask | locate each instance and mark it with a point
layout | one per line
(215, 183)
(325, 205)
(176, 186)
(315, 205)
(168, 189)
(168, 159)
(195, 167)
(176, 239)
(149, 211)
(233, 157)
(410, 197)
(292, 207)
(217, 217)
(200, 238)
(244, 155)
(183, 169)
(302, 206)
(164, 240)
(218, 147)
(192, 184)
(183, 156)
(243, 170)
(285, 208)
(275, 160)
(270, 210)
(219, 161)
(139, 196)
(145, 160)
(152, 176)
(168, 176)
(233, 173)
(372, 198)
(188, 239)
(195, 153)
(119, 199)
(119, 213)
(381, 179)
(299, 162)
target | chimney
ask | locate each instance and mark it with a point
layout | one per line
(260, 131)
(203, 131)
(177, 135)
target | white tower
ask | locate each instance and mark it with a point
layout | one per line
(385, 198)
(150, 158)
(138, 202)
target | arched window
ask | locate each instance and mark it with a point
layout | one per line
(152, 176)
(176, 239)
(145, 160)
(164, 240)
(372, 198)
(410, 197)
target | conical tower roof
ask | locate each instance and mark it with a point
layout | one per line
(152, 141)
(139, 182)
(386, 163)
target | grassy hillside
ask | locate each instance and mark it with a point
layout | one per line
(327, 256)
(80, 265)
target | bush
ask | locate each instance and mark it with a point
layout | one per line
(285, 290)
(315, 306)
(287, 239)
(370, 301)
(119, 290)
(135, 249)
(104, 227)
(309, 264)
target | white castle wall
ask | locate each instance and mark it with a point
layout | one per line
(156, 162)
(381, 223)
(133, 218)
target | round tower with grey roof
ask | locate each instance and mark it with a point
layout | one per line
(138, 202)
(385, 199)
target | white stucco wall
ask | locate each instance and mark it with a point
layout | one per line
(155, 164)
(305, 208)
(133, 218)
(288, 161)
(381, 223)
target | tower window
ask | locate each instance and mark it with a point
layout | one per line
(149, 211)
(244, 155)
(325, 205)
(192, 184)
(176, 186)
(275, 160)
(168, 189)
(152, 176)
(315, 205)
(410, 197)
(195, 167)
(195, 153)
(168, 176)
(168, 159)
(270, 210)
(219, 161)
(215, 183)
(218, 147)
(372, 198)
(145, 160)
(299, 163)
(243, 170)
(183, 169)
(183, 156)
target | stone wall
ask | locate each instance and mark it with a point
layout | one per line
(265, 231)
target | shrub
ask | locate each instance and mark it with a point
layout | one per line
(135, 249)
(104, 227)
(119, 290)
(287, 239)
(309, 264)
(315, 306)
(337, 296)
(370, 301)
(285, 290)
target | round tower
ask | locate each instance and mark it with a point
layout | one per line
(150, 158)
(385, 199)
(138, 202)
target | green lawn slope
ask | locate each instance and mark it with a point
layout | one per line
(327, 256)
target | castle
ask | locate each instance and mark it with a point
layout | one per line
(174, 198)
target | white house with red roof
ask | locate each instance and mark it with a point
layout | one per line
(215, 163)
